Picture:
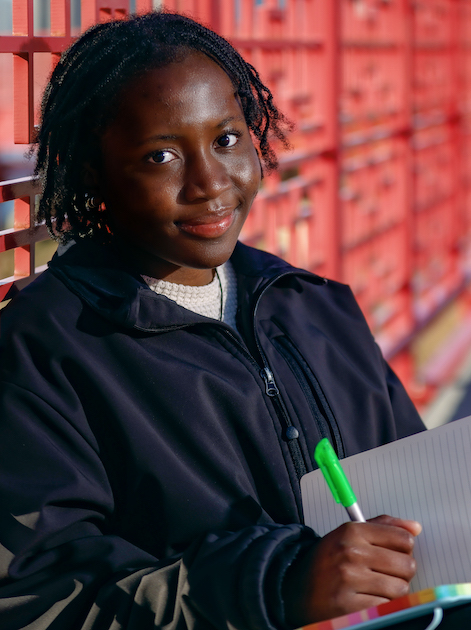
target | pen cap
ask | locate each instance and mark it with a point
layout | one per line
(329, 464)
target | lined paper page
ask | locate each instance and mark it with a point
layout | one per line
(425, 477)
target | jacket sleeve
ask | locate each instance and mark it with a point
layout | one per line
(62, 568)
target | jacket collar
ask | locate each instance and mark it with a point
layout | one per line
(96, 274)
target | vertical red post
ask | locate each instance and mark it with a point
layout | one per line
(21, 17)
(23, 74)
(21, 98)
(143, 6)
(60, 18)
(22, 258)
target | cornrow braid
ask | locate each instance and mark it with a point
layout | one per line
(81, 99)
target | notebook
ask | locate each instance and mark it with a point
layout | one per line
(411, 606)
(425, 477)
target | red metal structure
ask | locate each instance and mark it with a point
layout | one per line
(377, 189)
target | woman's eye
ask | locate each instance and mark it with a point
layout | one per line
(160, 157)
(227, 140)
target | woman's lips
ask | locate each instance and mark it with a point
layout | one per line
(208, 226)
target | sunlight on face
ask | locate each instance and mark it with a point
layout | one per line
(179, 171)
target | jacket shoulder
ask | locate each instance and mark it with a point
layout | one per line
(39, 302)
(256, 262)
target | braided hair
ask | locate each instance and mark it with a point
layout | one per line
(82, 98)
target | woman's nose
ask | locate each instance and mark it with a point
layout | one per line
(205, 178)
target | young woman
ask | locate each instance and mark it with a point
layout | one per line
(163, 386)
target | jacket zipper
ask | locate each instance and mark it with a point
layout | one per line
(290, 433)
(270, 386)
(321, 411)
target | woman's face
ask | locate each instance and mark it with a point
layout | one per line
(179, 170)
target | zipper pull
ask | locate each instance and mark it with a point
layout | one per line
(270, 386)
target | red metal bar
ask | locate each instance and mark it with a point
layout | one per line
(22, 98)
(60, 18)
(22, 17)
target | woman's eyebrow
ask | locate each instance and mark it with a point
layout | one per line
(230, 119)
(157, 137)
(166, 137)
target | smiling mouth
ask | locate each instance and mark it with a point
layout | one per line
(208, 226)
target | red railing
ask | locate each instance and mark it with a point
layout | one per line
(34, 56)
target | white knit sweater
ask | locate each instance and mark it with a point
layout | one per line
(217, 300)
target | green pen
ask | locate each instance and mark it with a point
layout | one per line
(337, 481)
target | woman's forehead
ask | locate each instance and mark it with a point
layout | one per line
(189, 91)
(175, 77)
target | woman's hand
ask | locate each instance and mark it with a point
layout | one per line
(356, 566)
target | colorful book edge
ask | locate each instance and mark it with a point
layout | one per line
(407, 607)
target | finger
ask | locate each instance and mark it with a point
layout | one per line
(381, 584)
(390, 537)
(384, 551)
(413, 527)
(357, 538)
(376, 590)
(393, 564)
(387, 586)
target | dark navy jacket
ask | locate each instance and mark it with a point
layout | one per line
(150, 456)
